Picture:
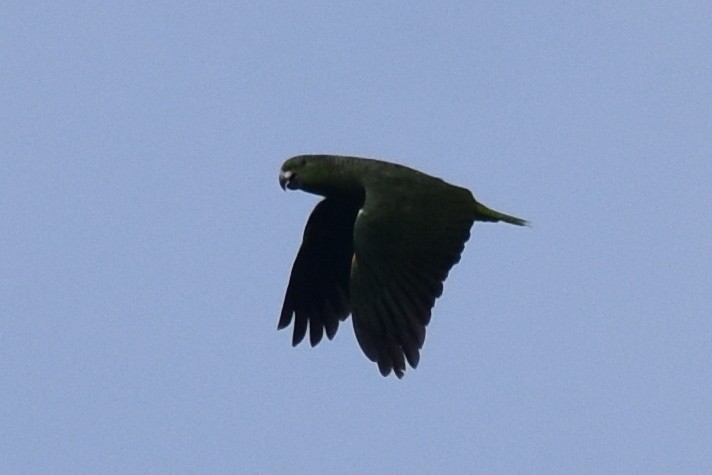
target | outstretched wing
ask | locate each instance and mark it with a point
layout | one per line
(406, 240)
(318, 290)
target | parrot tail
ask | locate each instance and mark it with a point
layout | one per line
(483, 213)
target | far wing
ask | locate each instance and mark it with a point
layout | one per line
(318, 290)
(405, 243)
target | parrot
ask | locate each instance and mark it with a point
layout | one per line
(378, 247)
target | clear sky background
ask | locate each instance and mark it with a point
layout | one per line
(145, 244)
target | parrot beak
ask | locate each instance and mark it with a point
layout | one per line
(286, 180)
(283, 179)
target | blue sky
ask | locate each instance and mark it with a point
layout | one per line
(146, 244)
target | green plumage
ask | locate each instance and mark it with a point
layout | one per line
(379, 246)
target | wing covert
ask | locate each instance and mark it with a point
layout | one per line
(401, 258)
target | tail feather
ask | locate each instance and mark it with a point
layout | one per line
(486, 214)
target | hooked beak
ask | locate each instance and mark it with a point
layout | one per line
(285, 179)
(289, 180)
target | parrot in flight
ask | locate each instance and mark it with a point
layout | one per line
(379, 247)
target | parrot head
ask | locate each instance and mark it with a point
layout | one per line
(323, 175)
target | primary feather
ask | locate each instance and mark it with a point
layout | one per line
(378, 246)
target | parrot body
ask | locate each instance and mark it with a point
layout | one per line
(379, 246)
